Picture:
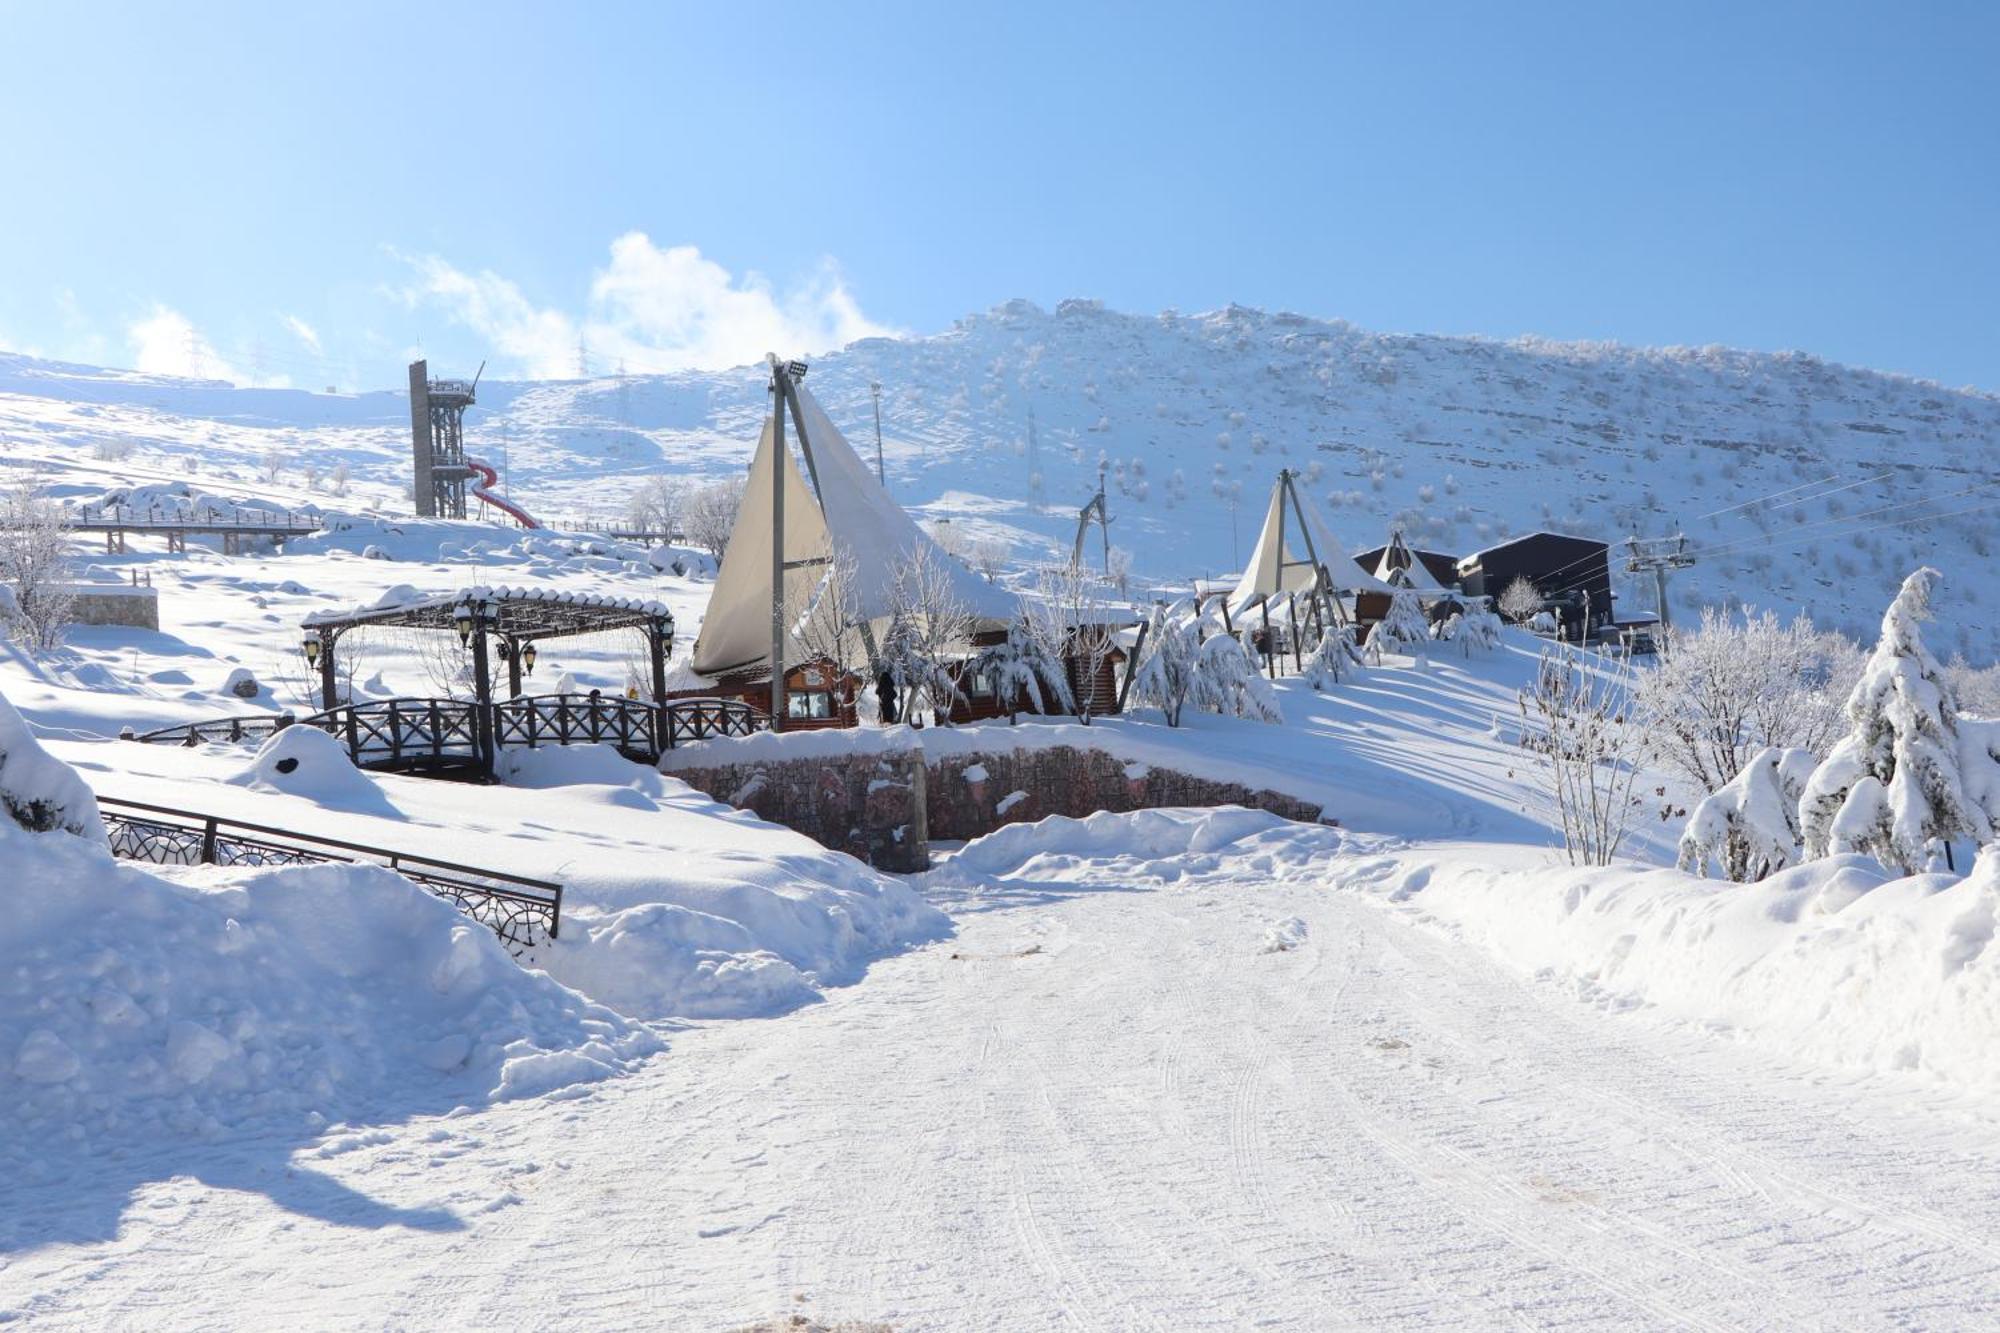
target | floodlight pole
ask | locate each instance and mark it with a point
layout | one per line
(875, 391)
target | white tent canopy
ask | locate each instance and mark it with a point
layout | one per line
(851, 521)
(1282, 561)
(1399, 566)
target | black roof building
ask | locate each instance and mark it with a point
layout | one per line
(1573, 574)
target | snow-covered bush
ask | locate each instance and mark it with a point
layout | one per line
(1749, 830)
(1230, 683)
(1169, 670)
(1587, 752)
(1334, 659)
(1734, 686)
(1024, 676)
(1893, 785)
(38, 791)
(1473, 630)
(1404, 629)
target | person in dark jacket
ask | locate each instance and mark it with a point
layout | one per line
(885, 694)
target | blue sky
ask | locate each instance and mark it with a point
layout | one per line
(268, 192)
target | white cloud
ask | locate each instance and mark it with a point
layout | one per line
(166, 342)
(653, 309)
(304, 332)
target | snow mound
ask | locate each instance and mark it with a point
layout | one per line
(662, 959)
(308, 763)
(1140, 836)
(145, 1007)
(1832, 960)
(1287, 935)
(39, 791)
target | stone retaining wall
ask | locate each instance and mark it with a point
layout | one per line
(885, 808)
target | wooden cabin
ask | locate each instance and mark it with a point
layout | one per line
(818, 695)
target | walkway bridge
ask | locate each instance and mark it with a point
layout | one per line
(234, 525)
(460, 738)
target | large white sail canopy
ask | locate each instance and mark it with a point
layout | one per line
(1282, 561)
(850, 521)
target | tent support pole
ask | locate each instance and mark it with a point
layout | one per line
(1305, 532)
(777, 546)
(1292, 610)
(1270, 655)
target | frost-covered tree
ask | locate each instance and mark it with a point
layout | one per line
(1749, 829)
(709, 514)
(1404, 629)
(1169, 671)
(34, 565)
(1520, 600)
(1230, 684)
(1734, 686)
(1333, 660)
(657, 505)
(1070, 620)
(1892, 786)
(930, 633)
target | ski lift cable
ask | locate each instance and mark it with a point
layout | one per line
(1703, 553)
(1808, 499)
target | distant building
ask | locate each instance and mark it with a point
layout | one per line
(1442, 568)
(1573, 575)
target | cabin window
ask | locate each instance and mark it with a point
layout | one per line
(809, 705)
(980, 685)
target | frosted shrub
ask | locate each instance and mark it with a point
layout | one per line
(1586, 753)
(1403, 629)
(1749, 829)
(1737, 685)
(1169, 670)
(1229, 683)
(1334, 660)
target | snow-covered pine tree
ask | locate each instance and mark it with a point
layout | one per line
(1169, 663)
(1749, 829)
(1403, 629)
(1024, 676)
(1334, 660)
(1892, 785)
(1230, 683)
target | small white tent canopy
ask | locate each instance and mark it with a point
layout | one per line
(1294, 537)
(846, 519)
(1400, 567)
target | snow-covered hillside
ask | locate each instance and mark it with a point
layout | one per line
(1000, 425)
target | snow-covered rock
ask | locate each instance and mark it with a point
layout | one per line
(308, 763)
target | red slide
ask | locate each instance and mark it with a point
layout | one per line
(483, 492)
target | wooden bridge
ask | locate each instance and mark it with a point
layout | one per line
(234, 526)
(522, 912)
(460, 738)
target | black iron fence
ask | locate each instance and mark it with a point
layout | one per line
(521, 911)
(446, 735)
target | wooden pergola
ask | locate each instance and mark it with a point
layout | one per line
(515, 618)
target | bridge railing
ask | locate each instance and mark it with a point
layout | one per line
(632, 725)
(698, 719)
(405, 733)
(520, 911)
(205, 516)
(413, 735)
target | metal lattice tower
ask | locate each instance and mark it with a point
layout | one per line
(437, 435)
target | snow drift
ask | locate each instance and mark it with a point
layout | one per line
(141, 1006)
(1833, 960)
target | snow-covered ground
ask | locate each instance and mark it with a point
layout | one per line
(1109, 1102)
(1162, 1070)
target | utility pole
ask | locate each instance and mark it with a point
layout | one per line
(875, 392)
(1661, 556)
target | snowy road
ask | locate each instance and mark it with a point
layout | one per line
(1106, 1105)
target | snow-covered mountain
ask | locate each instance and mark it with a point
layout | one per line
(1800, 483)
